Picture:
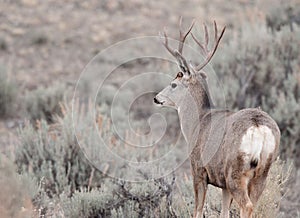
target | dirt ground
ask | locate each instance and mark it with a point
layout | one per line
(43, 42)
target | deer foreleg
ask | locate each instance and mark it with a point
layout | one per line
(226, 202)
(200, 188)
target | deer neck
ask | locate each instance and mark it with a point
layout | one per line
(191, 111)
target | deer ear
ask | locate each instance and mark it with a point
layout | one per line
(203, 75)
(183, 68)
(182, 63)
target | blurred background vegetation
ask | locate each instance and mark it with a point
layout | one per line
(44, 46)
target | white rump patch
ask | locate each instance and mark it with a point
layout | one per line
(256, 140)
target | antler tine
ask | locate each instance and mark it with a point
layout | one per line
(206, 37)
(182, 63)
(182, 35)
(202, 46)
(198, 43)
(165, 42)
(207, 53)
(216, 30)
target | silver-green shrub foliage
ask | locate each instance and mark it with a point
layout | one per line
(286, 15)
(50, 154)
(8, 95)
(43, 103)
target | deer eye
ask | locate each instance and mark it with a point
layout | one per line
(173, 85)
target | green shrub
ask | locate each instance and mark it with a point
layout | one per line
(50, 153)
(106, 94)
(122, 199)
(287, 14)
(43, 103)
(8, 95)
(3, 44)
(38, 38)
(70, 185)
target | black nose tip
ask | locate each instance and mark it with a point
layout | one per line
(155, 100)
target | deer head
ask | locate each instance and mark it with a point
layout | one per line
(190, 83)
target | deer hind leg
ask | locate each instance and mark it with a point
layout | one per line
(239, 190)
(256, 187)
(226, 202)
(200, 188)
(258, 183)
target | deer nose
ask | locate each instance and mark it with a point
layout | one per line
(156, 101)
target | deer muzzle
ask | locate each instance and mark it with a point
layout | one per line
(156, 101)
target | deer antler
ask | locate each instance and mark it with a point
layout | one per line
(178, 53)
(208, 53)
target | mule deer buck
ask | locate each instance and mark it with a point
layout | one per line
(229, 150)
